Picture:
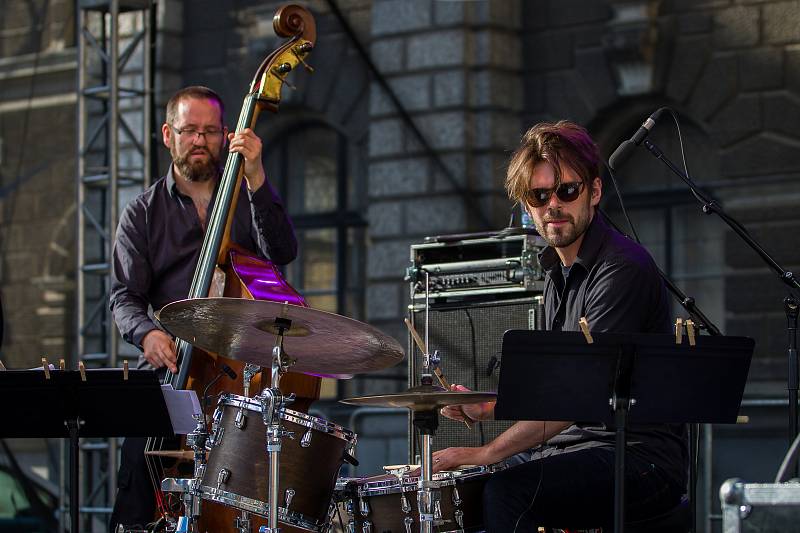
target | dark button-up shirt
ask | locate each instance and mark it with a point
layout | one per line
(615, 284)
(158, 244)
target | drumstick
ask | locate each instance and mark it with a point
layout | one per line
(436, 370)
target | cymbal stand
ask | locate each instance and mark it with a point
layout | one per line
(191, 501)
(427, 421)
(272, 403)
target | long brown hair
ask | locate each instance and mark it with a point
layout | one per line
(558, 143)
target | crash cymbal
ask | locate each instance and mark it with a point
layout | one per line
(187, 455)
(423, 398)
(318, 342)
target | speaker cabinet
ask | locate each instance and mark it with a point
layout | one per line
(469, 336)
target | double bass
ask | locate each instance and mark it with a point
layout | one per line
(224, 269)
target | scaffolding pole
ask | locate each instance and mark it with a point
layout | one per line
(114, 155)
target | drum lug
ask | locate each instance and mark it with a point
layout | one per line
(348, 506)
(222, 477)
(437, 510)
(305, 442)
(216, 437)
(408, 522)
(240, 420)
(242, 523)
(459, 516)
(366, 527)
(363, 507)
(288, 497)
(404, 505)
(351, 526)
(456, 496)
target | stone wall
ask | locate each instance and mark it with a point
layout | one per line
(454, 67)
(37, 180)
(729, 69)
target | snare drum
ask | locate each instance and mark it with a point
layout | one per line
(388, 503)
(237, 471)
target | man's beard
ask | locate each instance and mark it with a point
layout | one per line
(197, 171)
(566, 234)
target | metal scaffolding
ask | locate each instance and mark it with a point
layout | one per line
(115, 143)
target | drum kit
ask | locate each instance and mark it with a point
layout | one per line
(259, 457)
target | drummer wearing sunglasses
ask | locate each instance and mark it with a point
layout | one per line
(560, 473)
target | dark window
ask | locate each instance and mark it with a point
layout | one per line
(313, 167)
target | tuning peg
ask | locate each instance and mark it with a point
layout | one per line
(281, 71)
(298, 52)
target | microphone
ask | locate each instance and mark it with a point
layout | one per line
(224, 369)
(623, 150)
(229, 371)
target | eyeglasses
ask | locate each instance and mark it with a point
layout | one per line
(191, 133)
(566, 192)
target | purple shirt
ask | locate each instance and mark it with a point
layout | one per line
(158, 245)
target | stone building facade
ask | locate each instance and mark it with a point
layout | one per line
(471, 76)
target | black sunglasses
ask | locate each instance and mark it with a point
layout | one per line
(566, 192)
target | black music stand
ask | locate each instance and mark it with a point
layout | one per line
(621, 379)
(66, 406)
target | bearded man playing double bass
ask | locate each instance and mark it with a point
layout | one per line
(158, 245)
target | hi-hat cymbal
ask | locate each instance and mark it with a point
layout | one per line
(318, 342)
(187, 455)
(423, 398)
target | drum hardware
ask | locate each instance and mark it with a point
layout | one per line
(289, 495)
(272, 401)
(222, 477)
(197, 440)
(303, 340)
(305, 441)
(240, 419)
(424, 402)
(242, 523)
(250, 371)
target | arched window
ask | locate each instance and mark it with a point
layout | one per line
(319, 176)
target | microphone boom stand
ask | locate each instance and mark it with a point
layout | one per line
(709, 207)
(703, 322)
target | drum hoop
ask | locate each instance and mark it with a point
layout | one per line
(445, 478)
(318, 424)
(391, 486)
(258, 507)
(296, 417)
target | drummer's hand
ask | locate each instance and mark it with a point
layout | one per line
(469, 412)
(247, 143)
(452, 458)
(159, 350)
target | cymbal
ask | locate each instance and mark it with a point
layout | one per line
(318, 342)
(187, 455)
(423, 398)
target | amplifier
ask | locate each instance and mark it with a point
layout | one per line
(471, 265)
(469, 337)
(759, 507)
